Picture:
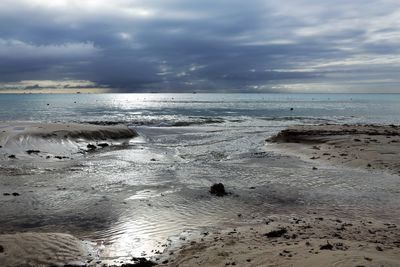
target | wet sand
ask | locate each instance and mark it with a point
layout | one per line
(303, 234)
(43, 249)
(63, 131)
(295, 241)
(28, 140)
(311, 240)
(374, 147)
(277, 240)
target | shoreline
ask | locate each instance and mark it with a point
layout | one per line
(57, 141)
(277, 240)
(312, 238)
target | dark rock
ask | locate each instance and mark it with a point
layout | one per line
(12, 157)
(218, 190)
(6, 194)
(153, 160)
(103, 145)
(378, 248)
(327, 246)
(91, 147)
(139, 262)
(1, 249)
(276, 233)
(15, 194)
(60, 157)
(314, 168)
(31, 151)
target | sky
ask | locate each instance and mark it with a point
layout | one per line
(203, 46)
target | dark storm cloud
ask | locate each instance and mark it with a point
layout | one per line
(180, 45)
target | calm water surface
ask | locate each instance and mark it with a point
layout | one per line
(168, 108)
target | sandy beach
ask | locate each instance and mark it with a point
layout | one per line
(372, 147)
(292, 233)
(312, 240)
(295, 241)
(199, 133)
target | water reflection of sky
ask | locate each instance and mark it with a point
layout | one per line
(155, 200)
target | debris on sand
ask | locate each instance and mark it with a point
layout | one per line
(276, 233)
(139, 262)
(91, 147)
(327, 246)
(103, 145)
(31, 151)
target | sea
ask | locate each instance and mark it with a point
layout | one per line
(131, 200)
(170, 109)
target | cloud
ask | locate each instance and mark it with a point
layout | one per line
(60, 86)
(16, 49)
(180, 45)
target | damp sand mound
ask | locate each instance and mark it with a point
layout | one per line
(49, 140)
(361, 146)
